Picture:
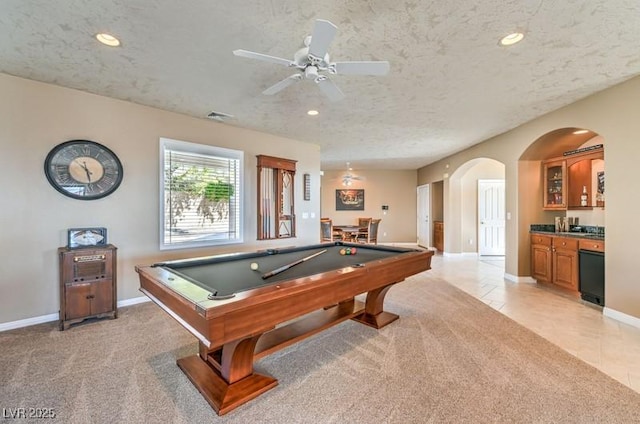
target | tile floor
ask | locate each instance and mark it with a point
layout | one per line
(565, 320)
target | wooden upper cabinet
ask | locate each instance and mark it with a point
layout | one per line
(554, 173)
(585, 172)
(565, 179)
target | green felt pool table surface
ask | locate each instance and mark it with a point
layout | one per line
(225, 275)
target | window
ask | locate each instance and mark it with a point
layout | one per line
(200, 194)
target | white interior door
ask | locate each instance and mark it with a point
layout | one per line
(491, 223)
(424, 221)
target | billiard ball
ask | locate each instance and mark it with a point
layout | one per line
(343, 252)
(254, 266)
(354, 250)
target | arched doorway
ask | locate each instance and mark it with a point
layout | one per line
(554, 144)
(461, 206)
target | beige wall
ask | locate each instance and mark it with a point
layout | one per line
(397, 189)
(613, 114)
(35, 117)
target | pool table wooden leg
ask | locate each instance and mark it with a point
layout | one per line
(374, 315)
(225, 376)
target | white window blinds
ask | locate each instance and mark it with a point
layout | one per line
(201, 195)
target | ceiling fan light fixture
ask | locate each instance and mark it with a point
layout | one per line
(313, 112)
(311, 72)
(313, 61)
(108, 39)
(511, 39)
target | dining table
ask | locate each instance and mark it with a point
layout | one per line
(349, 232)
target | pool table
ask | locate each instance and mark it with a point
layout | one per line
(240, 314)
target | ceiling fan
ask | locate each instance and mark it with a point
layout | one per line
(348, 178)
(312, 62)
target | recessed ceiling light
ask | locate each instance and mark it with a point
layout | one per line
(580, 132)
(108, 39)
(312, 112)
(511, 39)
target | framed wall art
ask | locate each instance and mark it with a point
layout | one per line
(307, 186)
(350, 199)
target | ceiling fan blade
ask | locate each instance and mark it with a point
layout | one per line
(323, 33)
(329, 89)
(279, 86)
(361, 68)
(263, 57)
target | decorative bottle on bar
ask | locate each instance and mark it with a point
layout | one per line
(584, 196)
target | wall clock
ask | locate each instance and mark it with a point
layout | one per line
(83, 169)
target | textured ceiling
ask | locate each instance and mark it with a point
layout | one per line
(450, 85)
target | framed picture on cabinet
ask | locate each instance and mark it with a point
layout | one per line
(86, 237)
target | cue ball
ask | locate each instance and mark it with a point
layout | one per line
(254, 266)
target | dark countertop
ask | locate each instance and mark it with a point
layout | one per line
(589, 236)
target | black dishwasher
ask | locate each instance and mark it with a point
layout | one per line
(592, 276)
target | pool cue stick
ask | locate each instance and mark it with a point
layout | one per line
(291, 265)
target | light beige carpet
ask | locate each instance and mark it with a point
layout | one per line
(448, 359)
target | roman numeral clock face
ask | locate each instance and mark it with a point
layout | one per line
(83, 169)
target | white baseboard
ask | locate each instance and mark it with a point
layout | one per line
(6, 326)
(621, 316)
(517, 279)
(133, 301)
(461, 254)
(28, 322)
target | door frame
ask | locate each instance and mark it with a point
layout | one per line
(423, 225)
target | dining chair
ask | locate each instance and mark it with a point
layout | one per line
(371, 235)
(326, 230)
(363, 224)
(327, 233)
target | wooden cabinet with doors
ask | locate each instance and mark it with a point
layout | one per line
(438, 235)
(555, 260)
(541, 258)
(565, 262)
(87, 284)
